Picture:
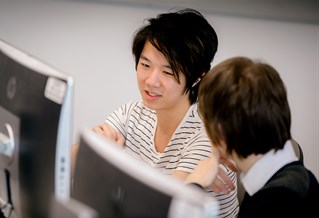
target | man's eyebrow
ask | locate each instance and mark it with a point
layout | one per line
(146, 59)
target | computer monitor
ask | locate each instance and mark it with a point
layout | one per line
(35, 133)
(70, 208)
(115, 185)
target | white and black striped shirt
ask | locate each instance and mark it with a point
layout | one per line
(188, 145)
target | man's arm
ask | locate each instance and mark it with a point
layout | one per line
(208, 174)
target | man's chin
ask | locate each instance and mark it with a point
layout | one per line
(150, 105)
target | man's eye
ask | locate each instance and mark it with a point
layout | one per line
(168, 73)
(145, 65)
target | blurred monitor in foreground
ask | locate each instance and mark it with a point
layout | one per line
(35, 134)
(115, 185)
(70, 208)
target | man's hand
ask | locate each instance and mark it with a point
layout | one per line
(110, 133)
(222, 182)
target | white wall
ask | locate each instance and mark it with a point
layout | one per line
(91, 42)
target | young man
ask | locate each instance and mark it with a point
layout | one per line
(172, 53)
(246, 113)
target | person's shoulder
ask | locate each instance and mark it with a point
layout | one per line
(294, 176)
(194, 106)
(194, 116)
(194, 111)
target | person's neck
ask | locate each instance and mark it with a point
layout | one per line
(167, 123)
(244, 164)
(169, 119)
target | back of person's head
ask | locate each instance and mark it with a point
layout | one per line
(187, 41)
(244, 103)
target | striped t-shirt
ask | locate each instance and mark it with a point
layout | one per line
(188, 145)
